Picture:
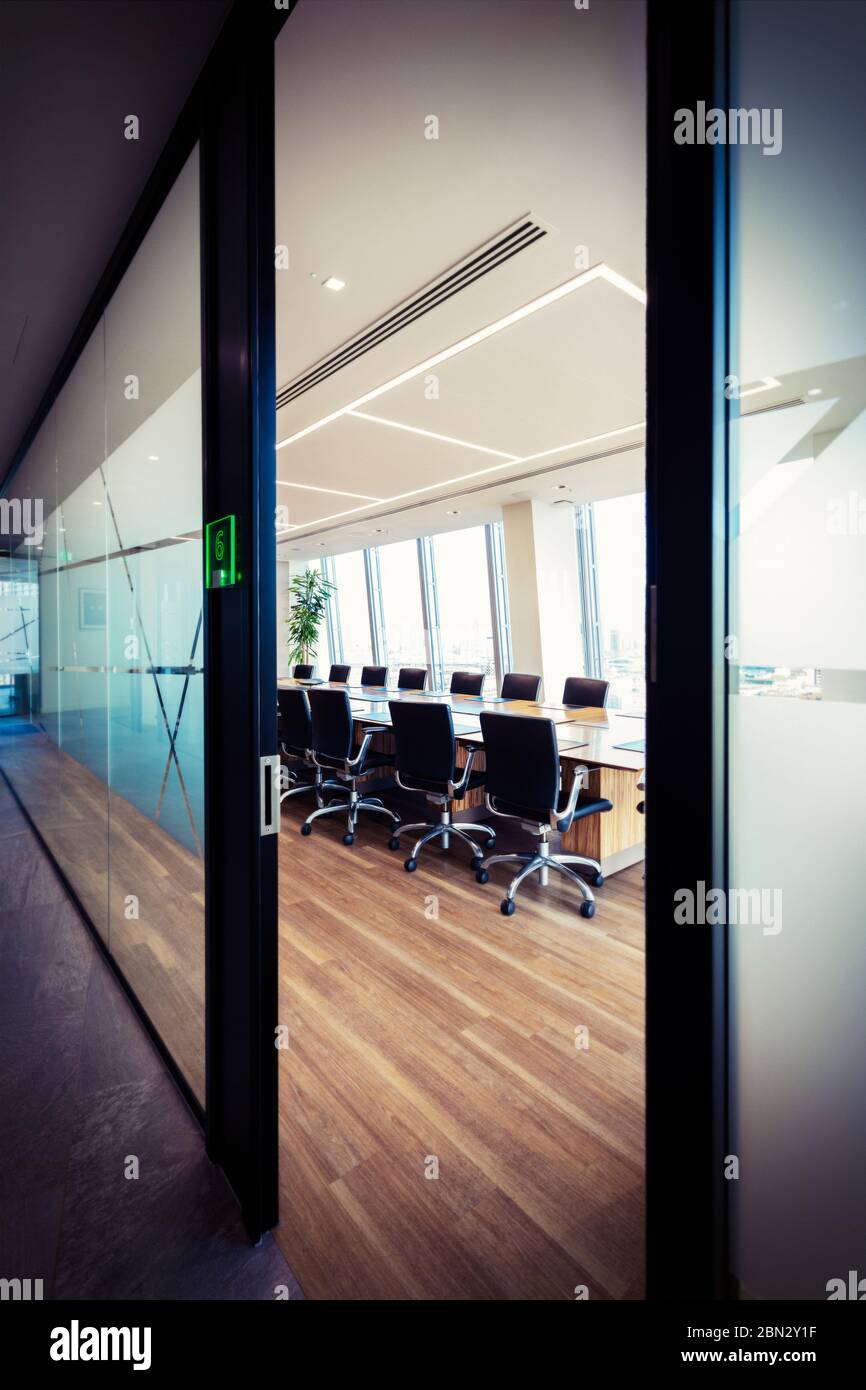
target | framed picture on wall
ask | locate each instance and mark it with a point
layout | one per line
(91, 608)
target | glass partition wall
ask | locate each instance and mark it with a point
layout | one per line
(796, 650)
(108, 649)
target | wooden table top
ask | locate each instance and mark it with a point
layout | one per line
(376, 698)
(594, 740)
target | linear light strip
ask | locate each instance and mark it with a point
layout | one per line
(341, 492)
(480, 472)
(429, 434)
(586, 277)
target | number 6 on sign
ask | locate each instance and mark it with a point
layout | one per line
(220, 561)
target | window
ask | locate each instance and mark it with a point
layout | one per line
(402, 613)
(353, 625)
(463, 600)
(620, 557)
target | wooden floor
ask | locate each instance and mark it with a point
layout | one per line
(141, 888)
(426, 1029)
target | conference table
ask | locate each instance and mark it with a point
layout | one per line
(610, 744)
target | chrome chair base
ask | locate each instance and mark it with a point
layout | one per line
(351, 808)
(444, 830)
(318, 786)
(540, 862)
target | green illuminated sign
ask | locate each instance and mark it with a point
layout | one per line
(220, 555)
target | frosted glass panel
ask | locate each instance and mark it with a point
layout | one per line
(153, 486)
(109, 755)
(797, 639)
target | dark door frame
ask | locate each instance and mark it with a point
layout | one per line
(686, 1091)
(239, 341)
(230, 114)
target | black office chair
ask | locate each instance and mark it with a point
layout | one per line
(412, 678)
(303, 673)
(426, 762)
(467, 682)
(294, 730)
(339, 674)
(522, 780)
(333, 750)
(374, 675)
(520, 687)
(583, 690)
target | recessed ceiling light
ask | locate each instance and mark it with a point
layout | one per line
(562, 487)
(332, 283)
(815, 391)
(454, 513)
(153, 458)
(96, 504)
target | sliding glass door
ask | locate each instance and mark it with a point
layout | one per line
(796, 589)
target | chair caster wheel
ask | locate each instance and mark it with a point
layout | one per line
(393, 843)
(349, 839)
(481, 876)
(597, 880)
(508, 907)
(306, 830)
(475, 866)
(587, 909)
(410, 865)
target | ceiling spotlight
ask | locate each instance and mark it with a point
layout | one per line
(454, 513)
(562, 487)
(153, 458)
(96, 504)
(332, 283)
(815, 391)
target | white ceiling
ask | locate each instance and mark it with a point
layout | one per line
(541, 111)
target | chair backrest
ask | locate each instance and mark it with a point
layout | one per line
(583, 690)
(339, 674)
(522, 758)
(332, 723)
(467, 682)
(303, 673)
(294, 710)
(424, 738)
(516, 686)
(412, 678)
(374, 675)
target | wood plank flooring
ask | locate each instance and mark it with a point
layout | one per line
(426, 1029)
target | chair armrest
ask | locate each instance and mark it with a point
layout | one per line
(354, 764)
(456, 789)
(574, 792)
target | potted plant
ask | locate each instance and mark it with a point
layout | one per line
(309, 594)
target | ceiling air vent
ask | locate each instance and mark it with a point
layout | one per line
(507, 244)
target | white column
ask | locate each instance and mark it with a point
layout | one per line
(543, 591)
